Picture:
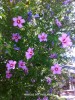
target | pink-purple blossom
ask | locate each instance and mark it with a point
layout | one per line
(48, 80)
(11, 64)
(11, 0)
(65, 40)
(66, 2)
(18, 21)
(42, 37)
(58, 23)
(29, 53)
(26, 70)
(16, 37)
(39, 98)
(45, 98)
(54, 55)
(56, 69)
(8, 74)
(22, 65)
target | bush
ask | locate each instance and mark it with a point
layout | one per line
(32, 41)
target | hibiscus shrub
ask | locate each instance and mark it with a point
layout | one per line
(32, 40)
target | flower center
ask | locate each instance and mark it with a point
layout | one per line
(56, 69)
(8, 74)
(30, 52)
(22, 64)
(11, 65)
(18, 21)
(43, 37)
(16, 37)
(64, 40)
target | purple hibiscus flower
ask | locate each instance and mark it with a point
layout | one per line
(8, 74)
(29, 53)
(42, 37)
(18, 21)
(11, 64)
(16, 37)
(56, 69)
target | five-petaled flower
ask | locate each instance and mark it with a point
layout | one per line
(58, 23)
(8, 74)
(11, 64)
(42, 37)
(65, 40)
(16, 37)
(29, 53)
(18, 21)
(56, 69)
(22, 65)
